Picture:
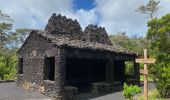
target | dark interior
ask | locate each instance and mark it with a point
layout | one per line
(20, 64)
(82, 72)
(119, 71)
(49, 68)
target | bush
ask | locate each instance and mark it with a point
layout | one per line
(160, 72)
(8, 62)
(130, 90)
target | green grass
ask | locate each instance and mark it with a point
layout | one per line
(152, 95)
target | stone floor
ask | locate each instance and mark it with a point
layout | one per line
(9, 91)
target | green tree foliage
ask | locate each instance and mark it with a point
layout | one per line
(5, 29)
(9, 44)
(8, 58)
(129, 70)
(159, 34)
(150, 9)
(136, 44)
(8, 62)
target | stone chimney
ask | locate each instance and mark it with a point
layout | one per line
(96, 34)
(62, 25)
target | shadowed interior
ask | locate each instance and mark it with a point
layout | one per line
(82, 72)
(49, 68)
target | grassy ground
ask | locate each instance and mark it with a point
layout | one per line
(152, 95)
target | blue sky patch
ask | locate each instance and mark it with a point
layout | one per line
(83, 4)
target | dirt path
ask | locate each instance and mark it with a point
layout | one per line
(9, 91)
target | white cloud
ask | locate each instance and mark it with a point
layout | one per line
(34, 13)
(86, 17)
(114, 15)
(165, 8)
(120, 15)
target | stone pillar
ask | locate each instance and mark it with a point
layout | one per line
(136, 73)
(110, 70)
(60, 62)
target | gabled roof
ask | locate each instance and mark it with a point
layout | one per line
(63, 41)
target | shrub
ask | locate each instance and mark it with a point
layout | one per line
(158, 33)
(130, 90)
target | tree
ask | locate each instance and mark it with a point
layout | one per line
(5, 27)
(120, 39)
(18, 37)
(150, 9)
(8, 62)
(8, 58)
(159, 34)
(136, 44)
(5, 17)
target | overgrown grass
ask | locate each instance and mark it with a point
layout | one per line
(152, 95)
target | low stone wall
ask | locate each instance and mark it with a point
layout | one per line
(105, 87)
(71, 93)
(49, 88)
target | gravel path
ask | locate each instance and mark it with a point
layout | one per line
(111, 96)
(9, 91)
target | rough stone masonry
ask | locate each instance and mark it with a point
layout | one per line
(63, 60)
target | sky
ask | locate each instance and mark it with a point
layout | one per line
(115, 15)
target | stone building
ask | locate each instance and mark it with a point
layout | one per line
(62, 59)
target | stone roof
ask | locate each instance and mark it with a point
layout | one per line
(64, 41)
(64, 32)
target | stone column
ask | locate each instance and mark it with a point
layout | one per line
(136, 73)
(60, 62)
(110, 70)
